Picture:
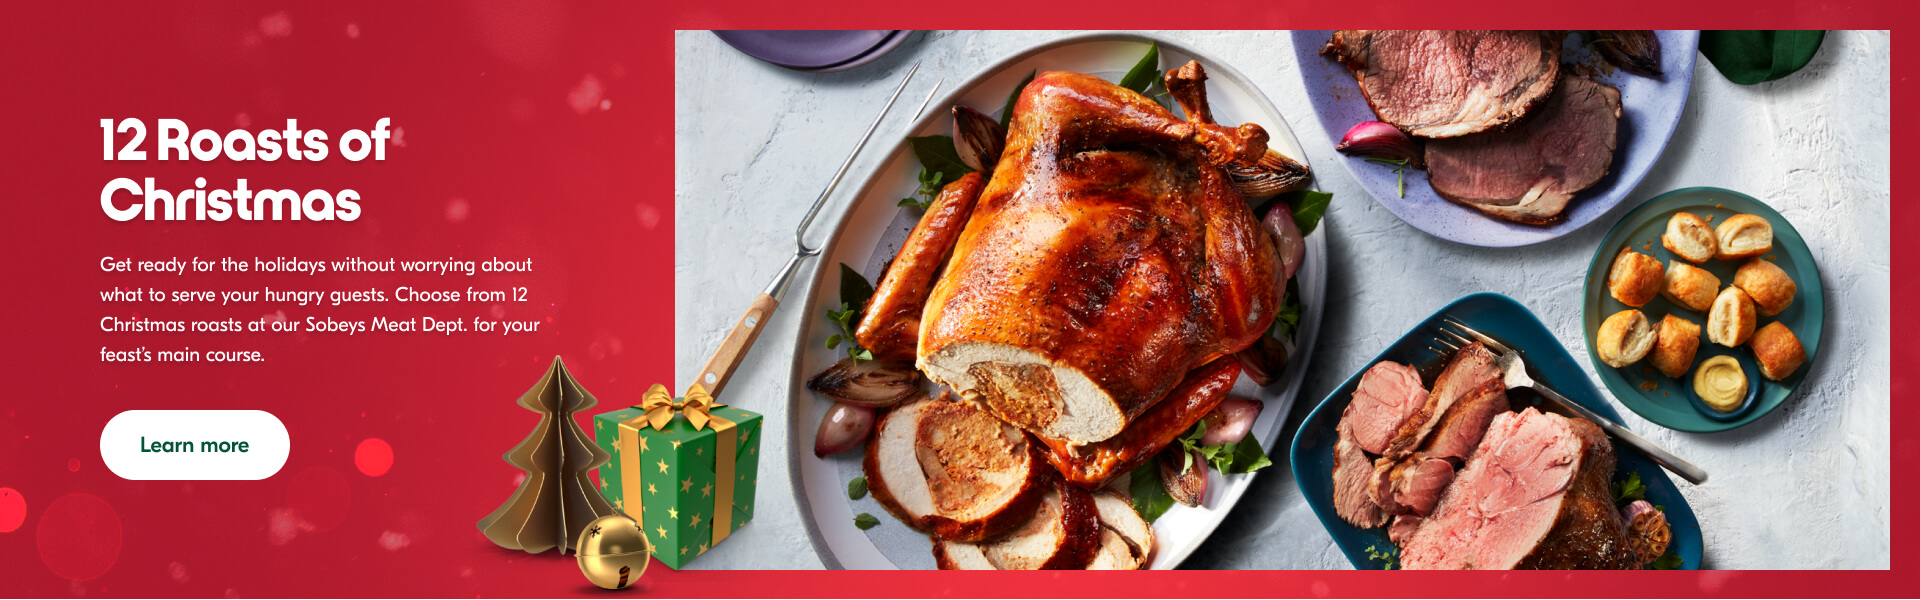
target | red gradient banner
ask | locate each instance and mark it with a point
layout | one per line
(520, 129)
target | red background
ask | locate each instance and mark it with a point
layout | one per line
(503, 151)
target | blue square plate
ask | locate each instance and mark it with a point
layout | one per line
(1508, 321)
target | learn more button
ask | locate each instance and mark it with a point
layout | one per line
(194, 444)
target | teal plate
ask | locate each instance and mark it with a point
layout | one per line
(1667, 403)
(1508, 321)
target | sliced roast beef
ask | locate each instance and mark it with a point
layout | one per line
(1442, 84)
(1409, 486)
(1403, 527)
(1352, 474)
(1471, 367)
(1126, 540)
(1505, 501)
(953, 470)
(1589, 533)
(1530, 171)
(1063, 532)
(1388, 395)
(1465, 422)
(1534, 495)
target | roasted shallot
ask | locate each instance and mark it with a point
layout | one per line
(868, 383)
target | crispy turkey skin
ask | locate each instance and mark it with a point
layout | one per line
(1108, 256)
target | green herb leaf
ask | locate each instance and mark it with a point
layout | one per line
(833, 341)
(1307, 206)
(1666, 561)
(1143, 72)
(1006, 114)
(1286, 321)
(857, 488)
(1390, 556)
(1748, 57)
(937, 155)
(1150, 498)
(865, 521)
(1248, 456)
(1629, 489)
(1399, 171)
(854, 291)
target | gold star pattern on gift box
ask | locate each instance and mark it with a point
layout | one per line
(679, 477)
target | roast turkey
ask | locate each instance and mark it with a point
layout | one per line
(1108, 256)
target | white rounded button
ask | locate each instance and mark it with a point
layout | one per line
(194, 444)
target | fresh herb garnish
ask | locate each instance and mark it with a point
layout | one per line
(1286, 321)
(1006, 114)
(1144, 72)
(1244, 456)
(865, 521)
(1390, 556)
(1150, 497)
(1308, 208)
(929, 189)
(1629, 489)
(936, 154)
(1666, 561)
(857, 488)
(1399, 171)
(854, 292)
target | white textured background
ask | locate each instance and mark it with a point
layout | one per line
(1804, 487)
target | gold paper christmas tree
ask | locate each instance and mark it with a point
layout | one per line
(555, 502)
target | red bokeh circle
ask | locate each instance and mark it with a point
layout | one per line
(373, 457)
(79, 536)
(13, 510)
(320, 497)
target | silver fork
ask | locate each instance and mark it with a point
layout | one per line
(1516, 377)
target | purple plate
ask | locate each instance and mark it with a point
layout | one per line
(1650, 112)
(814, 50)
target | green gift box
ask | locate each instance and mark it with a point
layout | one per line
(688, 487)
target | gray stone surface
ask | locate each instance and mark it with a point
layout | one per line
(1804, 487)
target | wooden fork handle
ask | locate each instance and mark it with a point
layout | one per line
(720, 367)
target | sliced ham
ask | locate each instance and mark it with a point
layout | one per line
(1388, 395)
(1063, 532)
(1352, 474)
(1533, 495)
(953, 470)
(1469, 368)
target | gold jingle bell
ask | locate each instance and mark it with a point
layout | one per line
(613, 552)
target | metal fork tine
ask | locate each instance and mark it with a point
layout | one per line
(1491, 343)
(1463, 341)
(1442, 342)
(1435, 351)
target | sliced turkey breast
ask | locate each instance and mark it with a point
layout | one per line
(1063, 532)
(1126, 540)
(949, 469)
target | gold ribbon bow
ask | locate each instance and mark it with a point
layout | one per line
(660, 407)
